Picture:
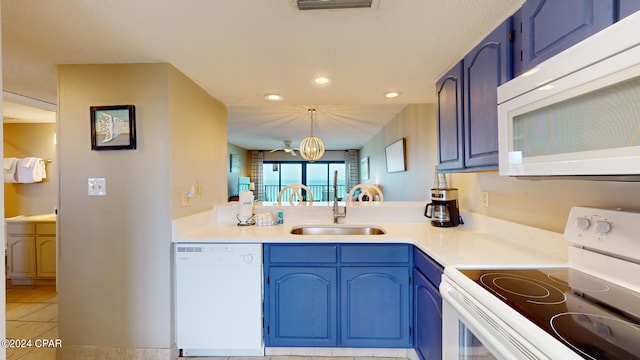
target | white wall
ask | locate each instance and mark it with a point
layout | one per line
(417, 124)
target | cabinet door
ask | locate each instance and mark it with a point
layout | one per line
(375, 307)
(46, 257)
(21, 256)
(627, 7)
(302, 308)
(487, 66)
(550, 26)
(427, 318)
(450, 131)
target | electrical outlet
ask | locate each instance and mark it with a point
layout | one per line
(97, 187)
(185, 199)
(485, 199)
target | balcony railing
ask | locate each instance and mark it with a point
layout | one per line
(320, 192)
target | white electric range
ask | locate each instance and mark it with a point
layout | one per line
(589, 309)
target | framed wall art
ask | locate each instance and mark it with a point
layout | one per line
(395, 157)
(113, 127)
(364, 168)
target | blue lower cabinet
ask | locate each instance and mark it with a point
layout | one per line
(338, 295)
(375, 307)
(428, 318)
(302, 307)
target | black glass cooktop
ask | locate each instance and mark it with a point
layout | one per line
(595, 318)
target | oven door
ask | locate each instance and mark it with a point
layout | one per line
(470, 331)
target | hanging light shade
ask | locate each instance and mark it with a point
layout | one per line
(311, 148)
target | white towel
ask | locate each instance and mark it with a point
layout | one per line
(31, 170)
(10, 169)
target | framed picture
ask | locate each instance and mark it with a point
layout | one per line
(364, 168)
(394, 154)
(113, 127)
(234, 163)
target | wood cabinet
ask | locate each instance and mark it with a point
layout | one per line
(467, 104)
(548, 27)
(31, 251)
(346, 295)
(427, 307)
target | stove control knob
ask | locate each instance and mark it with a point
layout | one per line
(603, 227)
(583, 223)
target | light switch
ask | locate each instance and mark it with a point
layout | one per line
(97, 186)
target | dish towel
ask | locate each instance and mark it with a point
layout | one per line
(10, 170)
(31, 170)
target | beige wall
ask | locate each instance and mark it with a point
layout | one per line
(198, 145)
(25, 140)
(115, 283)
(417, 124)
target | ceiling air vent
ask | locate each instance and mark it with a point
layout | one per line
(332, 4)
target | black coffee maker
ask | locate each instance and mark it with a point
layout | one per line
(444, 208)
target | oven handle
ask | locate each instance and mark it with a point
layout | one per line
(469, 311)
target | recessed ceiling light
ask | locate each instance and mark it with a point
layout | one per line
(392, 94)
(321, 80)
(273, 97)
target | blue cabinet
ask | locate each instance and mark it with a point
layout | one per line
(486, 67)
(328, 295)
(302, 306)
(627, 7)
(450, 140)
(375, 307)
(551, 26)
(427, 307)
(468, 104)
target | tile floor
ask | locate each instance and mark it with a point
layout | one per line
(32, 313)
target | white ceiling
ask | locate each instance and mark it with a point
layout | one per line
(240, 50)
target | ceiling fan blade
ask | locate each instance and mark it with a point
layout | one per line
(293, 152)
(274, 150)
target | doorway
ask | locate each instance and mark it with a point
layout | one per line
(31, 310)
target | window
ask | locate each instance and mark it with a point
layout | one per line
(317, 176)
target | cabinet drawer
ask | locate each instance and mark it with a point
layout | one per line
(21, 228)
(427, 266)
(375, 253)
(302, 253)
(46, 228)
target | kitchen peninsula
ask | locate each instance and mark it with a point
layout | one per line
(481, 241)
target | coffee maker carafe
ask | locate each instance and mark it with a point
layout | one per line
(443, 208)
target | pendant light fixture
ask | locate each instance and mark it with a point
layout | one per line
(311, 148)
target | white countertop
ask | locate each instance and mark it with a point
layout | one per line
(480, 242)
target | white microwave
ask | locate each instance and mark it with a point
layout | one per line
(577, 113)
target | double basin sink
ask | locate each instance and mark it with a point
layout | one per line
(337, 230)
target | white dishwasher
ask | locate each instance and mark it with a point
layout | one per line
(219, 299)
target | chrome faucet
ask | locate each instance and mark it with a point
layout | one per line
(336, 209)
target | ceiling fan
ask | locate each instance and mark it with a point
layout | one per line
(287, 148)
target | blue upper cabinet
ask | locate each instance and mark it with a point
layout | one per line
(486, 67)
(302, 306)
(627, 7)
(450, 129)
(551, 26)
(375, 307)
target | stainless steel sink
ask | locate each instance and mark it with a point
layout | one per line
(337, 230)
